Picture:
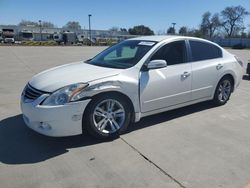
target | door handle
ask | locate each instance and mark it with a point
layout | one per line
(219, 66)
(185, 75)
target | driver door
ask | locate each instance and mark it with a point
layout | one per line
(169, 86)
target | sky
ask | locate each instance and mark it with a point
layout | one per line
(157, 14)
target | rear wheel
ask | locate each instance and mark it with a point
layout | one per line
(223, 91)
(107, 116)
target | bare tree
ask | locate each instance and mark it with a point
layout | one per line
(195, 33)
(114, 29)
(46, 24)
(248, 33)
(72, 25)
(209, 24)
(28, 23)
(233, 18)
(161, 32)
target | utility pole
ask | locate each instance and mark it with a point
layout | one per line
(90, 29)
(40, 25)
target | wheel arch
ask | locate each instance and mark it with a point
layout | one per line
(124, 96)
(231, 76)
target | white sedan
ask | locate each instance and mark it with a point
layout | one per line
(130, 80)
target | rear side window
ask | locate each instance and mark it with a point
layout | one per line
(204, 51)
(174, 53)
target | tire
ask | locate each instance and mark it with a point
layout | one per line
(223, 91)
(103, 122)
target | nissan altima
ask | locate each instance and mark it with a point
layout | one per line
(130, 80)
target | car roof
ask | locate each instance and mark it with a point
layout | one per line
(159, 38)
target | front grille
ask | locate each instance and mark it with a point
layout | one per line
(32, 93)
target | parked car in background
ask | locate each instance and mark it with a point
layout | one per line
(248, 69)
(126, 82)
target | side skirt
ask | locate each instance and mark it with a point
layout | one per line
(140, 115)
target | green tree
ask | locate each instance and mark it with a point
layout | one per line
(171, 30)
(123, 29)
(140, 30)
(183, 31)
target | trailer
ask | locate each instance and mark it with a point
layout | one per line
(58, 38)
(80, 38)
(69, 38)
(66, 38)
(8, 35)
(26, 35)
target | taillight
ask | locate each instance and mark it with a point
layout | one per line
(239, 61)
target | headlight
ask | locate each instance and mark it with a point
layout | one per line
(65, 95)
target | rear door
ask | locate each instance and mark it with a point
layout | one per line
(206, 68)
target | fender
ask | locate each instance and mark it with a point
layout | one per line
(120, 83)
(228, 72)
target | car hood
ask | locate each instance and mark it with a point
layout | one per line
(58, 77)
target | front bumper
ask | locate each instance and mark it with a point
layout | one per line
(56, 121)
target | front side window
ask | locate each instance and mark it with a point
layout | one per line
(204, 51)
(123, 55)
(174, 53)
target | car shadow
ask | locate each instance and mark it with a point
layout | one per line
(170, 115)
(20, 145)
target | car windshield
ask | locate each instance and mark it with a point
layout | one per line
(122, 55)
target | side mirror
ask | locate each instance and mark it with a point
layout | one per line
(88, 60)
(156, 64)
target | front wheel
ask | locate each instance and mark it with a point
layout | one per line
(223, 91)
(107, 116)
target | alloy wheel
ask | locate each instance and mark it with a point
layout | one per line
(109, 116)
(224, 91)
